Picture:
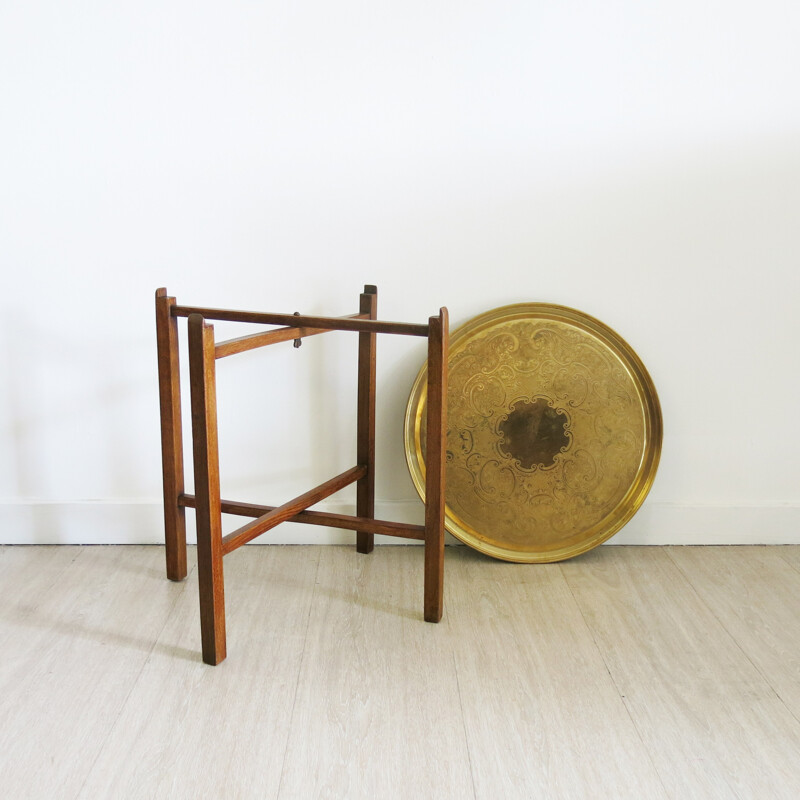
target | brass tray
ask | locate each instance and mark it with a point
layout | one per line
(553, 433)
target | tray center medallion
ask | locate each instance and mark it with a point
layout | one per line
(533, 433)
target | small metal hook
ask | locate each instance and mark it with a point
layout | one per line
(297, 342)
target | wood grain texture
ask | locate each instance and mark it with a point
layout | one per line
(300, 320)
(365, 435)
(402, 530)
(169, 393)
(435, 465)
(713, 726)
(543, 717)
(81, 624)
(377, 713)
(211, 583)
(791, 555)
(609, 676)
(28, 576)
(242, 344)
(285, 512)
(188, 731)
(755, 595)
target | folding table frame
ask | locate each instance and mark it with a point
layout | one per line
(212, 546)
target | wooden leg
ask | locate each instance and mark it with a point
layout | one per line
(206, 477)
(365, 489)
(169, 390)
(435, 465)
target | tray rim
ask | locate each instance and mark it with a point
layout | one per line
(645, 475)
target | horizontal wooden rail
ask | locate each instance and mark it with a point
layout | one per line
(349, 523)
(282, 513)
(231, 346)
(328, 323)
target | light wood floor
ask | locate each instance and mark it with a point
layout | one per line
(630, 672)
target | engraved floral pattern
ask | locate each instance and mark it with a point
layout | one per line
(577, 376)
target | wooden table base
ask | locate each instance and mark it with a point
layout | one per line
(212, 546)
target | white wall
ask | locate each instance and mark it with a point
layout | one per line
(638, 161)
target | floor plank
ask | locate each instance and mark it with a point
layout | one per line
(191, 730)
(625, 673)
(377, 713)
(791, 555)
(713, 725)
(30, 589)
(77, 637)
(755, 594)
(542, 715)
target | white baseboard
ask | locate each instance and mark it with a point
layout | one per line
(126, 522)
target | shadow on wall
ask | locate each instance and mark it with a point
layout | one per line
(303, 442)
(690, 256)
(393, 482)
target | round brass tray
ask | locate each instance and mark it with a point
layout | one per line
(553, 433)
